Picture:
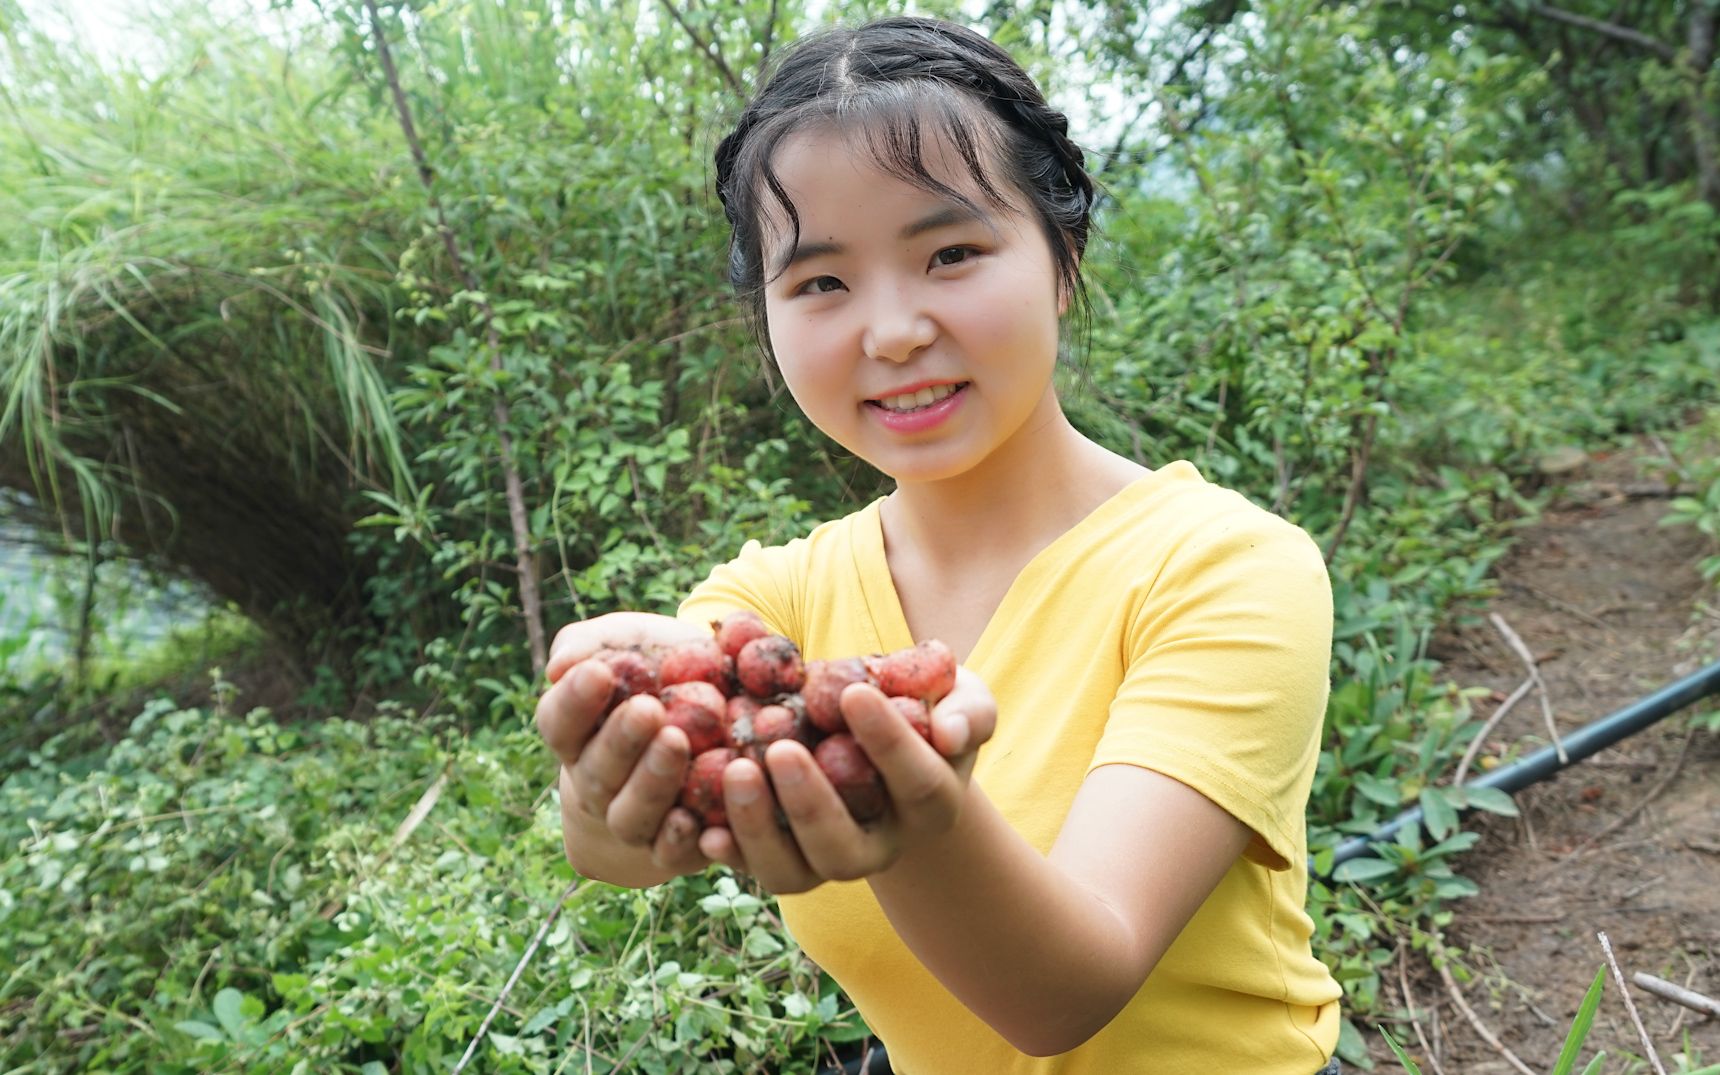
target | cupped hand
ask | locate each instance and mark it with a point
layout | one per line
(620, 777)
(925, 786)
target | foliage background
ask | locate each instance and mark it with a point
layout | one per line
(1366, 262)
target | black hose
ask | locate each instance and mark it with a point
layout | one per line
(1544, 763)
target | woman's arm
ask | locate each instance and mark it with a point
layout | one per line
(1048, 949)
(1044, 949)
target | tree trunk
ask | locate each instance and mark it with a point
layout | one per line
(1704, 122)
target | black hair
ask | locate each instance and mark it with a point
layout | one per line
(886, 78)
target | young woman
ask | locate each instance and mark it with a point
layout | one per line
(1098, 863)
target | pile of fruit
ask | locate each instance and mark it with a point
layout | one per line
(737, 693)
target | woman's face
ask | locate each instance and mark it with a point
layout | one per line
(917, 335)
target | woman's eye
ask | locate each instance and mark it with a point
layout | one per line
(819, 285)
(953, 255)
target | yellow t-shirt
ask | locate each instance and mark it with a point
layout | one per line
(1178, 627)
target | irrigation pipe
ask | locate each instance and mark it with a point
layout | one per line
(1543, 763)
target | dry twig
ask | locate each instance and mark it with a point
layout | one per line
(1487, 729)
(1528, 659)
(484, 1027)
(1665, 990)
(1630, 1005)
(1475, 1020)
(1409, 1008)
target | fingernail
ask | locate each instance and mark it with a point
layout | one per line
(955, 728)
(788, 774)
(661, 761)
(744, 794)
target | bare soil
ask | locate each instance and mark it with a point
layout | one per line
(1612, 608)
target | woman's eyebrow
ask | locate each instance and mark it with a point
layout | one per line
(944, 216)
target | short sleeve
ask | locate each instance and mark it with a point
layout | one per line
(1226, 675)
(760, 579)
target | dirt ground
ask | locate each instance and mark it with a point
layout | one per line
(1612, 608)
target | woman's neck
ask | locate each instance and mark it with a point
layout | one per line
(1030, 490)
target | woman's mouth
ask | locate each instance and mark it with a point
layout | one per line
(910, 402)
(916, 412)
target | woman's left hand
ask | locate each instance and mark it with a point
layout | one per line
(925, 784)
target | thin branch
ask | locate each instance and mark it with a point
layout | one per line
(1630, 1005)
(1613, 30)
(513, 488)
(1516, 696)
(769, 35)
(1528, 660)
(1475, 1020)
(1666, 990)
(729, 77)
(1409, 1009)
(484, 1027)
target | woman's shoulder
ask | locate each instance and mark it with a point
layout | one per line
(814, 540)
(1185, 511)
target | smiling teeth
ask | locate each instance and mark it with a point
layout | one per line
(913, 401)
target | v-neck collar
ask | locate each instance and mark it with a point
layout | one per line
(884, 603)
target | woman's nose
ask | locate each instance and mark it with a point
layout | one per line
(897, 326)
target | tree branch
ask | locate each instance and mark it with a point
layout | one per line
(769, 35)
(1613, 30)
(525, 562)
(729, 77)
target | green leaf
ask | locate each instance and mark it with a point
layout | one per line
(538, 1022)
(1364, 870)
(1491, 800)
(200, 1030)
(1598, 1064)
(1441, 818)
(1403, 1057)
(761, 943)
(1580, 1026)
(228, 1005)
(1386, 793)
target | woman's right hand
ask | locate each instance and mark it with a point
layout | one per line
(621, 778)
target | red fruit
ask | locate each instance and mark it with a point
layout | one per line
(853, 776)
(698, 709)
(915, 712)
(825, 681)
(736, 629)
(926, 672)
(702, 792)
(701, 660)
(769, 666)
(738, 720)
(634, 674)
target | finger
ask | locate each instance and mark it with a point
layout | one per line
(965, 718)
(826, 836)
(608, 760)
(677, 844)
(618, 630)
(771, 854)
(636, 813)
(717, 843)
(920, 782)
(574, 643)
(570, 710)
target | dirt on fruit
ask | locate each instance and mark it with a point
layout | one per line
(1612, 608)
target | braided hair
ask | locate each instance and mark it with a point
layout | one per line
(882, 82)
